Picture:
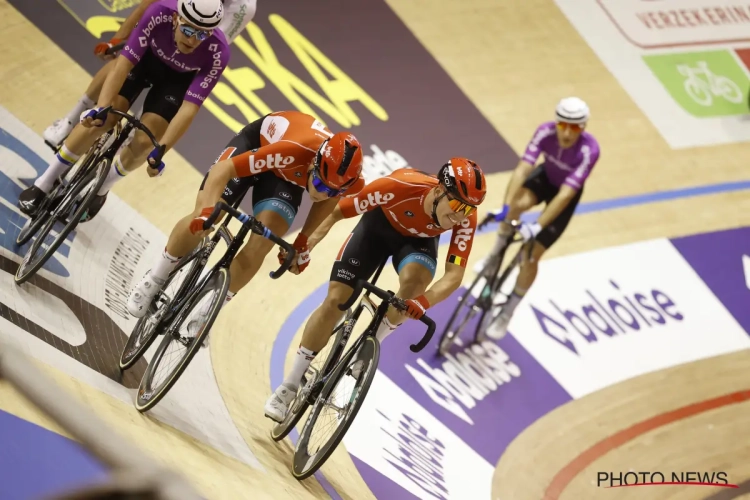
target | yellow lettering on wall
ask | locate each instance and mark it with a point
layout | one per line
(98, 25)
(247, 82)
(224, 94)
(287, 82)
(341, 89)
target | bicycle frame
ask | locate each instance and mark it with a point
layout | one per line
(348, 326)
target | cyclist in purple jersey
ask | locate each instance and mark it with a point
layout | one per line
(570, 154)
(178, 52)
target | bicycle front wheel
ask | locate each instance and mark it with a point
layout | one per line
(176, 351)
(338, 403)
(147, 328)
(318, 369)
(474, 299)
(73, 205)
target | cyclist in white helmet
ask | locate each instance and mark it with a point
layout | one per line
(179, 54)
(237, 15)
(570, 154)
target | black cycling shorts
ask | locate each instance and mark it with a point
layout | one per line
(270, 192)
(372, 241)
(167, 86)
(539, 184)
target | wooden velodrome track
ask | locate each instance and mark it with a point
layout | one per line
(505, 68)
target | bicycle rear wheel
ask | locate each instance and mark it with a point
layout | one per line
(147, 328)
(160, 376)
(76, 200)
(331, 353)
(307, 461)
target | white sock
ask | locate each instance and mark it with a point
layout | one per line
(514, 299)
(84, 103)
(385, 329)
(164, 266)
(116, 172)
(301, 363)
(63, 159)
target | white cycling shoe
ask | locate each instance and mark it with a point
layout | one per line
(498, 327)
(277, 405)
(57, 132)
(142, 295)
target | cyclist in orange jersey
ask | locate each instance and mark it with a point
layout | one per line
(403, 215)
(280, 156)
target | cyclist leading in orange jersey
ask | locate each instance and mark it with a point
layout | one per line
(403, 215)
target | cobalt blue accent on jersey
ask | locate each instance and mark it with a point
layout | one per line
(11, 221)
(38, 463)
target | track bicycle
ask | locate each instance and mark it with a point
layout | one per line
(354, 366)
(167, 316)
(72, 195)
(482, 296)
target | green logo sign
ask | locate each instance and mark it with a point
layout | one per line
(705, 84)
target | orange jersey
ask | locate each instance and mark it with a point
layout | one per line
(401, 196)
(289, 142)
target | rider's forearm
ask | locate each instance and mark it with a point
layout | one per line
(127, 26)
(325, 227)
(179, 124)
(218, 177)
(445, 286)
(519, 176)
(557, 205)
(114, 81)
(318, 213)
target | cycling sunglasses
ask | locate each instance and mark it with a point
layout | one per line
(574, 127)
(321, 186)
(190, 31)
(460, 207)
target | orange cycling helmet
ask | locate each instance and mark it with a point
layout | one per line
(464, 181)
(339, 161)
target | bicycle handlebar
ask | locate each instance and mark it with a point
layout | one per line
(394, 301)
(115, 48)
(101, 115)
(258, 228)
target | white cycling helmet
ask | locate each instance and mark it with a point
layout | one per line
(205, 14)
(572, 110)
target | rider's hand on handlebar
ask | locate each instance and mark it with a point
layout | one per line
(416, 308)
(196, 225)
(102, 47)
(303, 254)
(496, 215)
(155, 163)
(87, 118)
(529, 230)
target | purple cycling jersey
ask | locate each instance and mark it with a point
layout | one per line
(155, 30)
(563, 166)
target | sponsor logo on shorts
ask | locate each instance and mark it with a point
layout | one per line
(427, 261)
(283, 207)
(354, 261)
(172, 99)
(286, 195)
(271, 161)
(373, 199)
(344, 274)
